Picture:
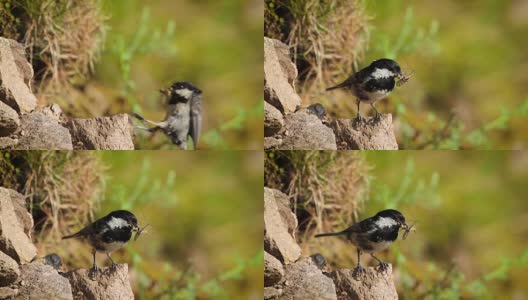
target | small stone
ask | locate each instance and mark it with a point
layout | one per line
(9, 270)
(9, 121)
(273, 270)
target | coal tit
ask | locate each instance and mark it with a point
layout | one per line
(108, 234)
(373, 234)
(373, 83)
(183, 116)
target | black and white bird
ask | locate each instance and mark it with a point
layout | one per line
(373, 234)
(183, 118)
(372, 83)
(108, 234)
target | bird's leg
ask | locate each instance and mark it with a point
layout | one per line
(359, 118)
(114, 265)
(382, 265)
(359, 268)
(94, 268)
(378, 115)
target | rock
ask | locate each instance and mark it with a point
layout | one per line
(371, 135)
(305, 131)
(279, 75)
(106, 133)
(9, 270)
(53, 111)
(372, 285)
(41, 132)
(318, 110)
(9, 120)
(13, 240)
(15, 77)
(283, 204)
(39, 281)
(277, 240)
(273, 270)
(269, 142)
(23, 216)
(8, 142)
(7, 292)
(109, 284)
(53, 260)
(303, 280)
(272, 293)
(273, 120)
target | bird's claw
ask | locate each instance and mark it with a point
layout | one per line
(377, 117)
(359, 270)
(359, 119)
(113, 266)
(383, 266)
(93, 271)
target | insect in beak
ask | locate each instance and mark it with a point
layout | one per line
(165, 92)
(139, 231)
(407, 229)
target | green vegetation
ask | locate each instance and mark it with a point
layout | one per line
(98, 58)
(468, 208)
(216, 45)
(465, 60)
(204, 239)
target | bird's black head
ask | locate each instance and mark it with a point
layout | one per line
(393, 214)
(388, 64)
(126, 216)
(181, 92)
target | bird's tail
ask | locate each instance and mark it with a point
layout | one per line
(149, 129)
(334, 87)
(137, 116)
(330, 234)
(347, 83)
(70, 236)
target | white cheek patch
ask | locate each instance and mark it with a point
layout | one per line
(117, 223)
(186, 93)
(382, 73)
(386, 222)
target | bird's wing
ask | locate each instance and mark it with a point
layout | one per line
(362, 227)
(196, 119)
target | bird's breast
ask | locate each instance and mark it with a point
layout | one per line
(376, 95)
(366, 244)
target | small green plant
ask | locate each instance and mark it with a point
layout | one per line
(146, 40)
(409, 39)
(214, 138)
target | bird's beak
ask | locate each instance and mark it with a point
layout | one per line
(165, 92)
(135, 228)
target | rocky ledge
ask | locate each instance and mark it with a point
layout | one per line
(24, 126)
(288, 275)
(287, 126)
(25, 276)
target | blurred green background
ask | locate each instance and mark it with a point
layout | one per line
(100, 57)
(215, 44)
(471, 216)
(467, 60)
(204, 239)
(469, 63)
